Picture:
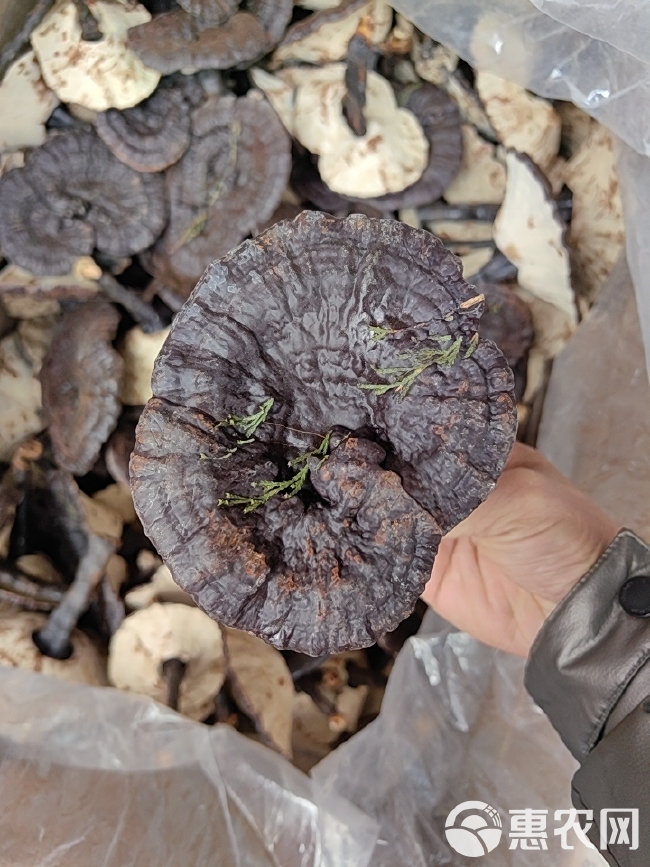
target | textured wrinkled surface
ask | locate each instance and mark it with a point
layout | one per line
(177, 40)
(80, 379)
(440, 122)
(210, 11)
(229, 181)
(74, 196)
(288, 316)
(506, 321)
(152, 135)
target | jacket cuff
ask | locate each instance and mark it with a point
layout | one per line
(590, 647)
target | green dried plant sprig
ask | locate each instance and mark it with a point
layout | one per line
(401, 378)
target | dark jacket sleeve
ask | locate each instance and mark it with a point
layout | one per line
(589, 671)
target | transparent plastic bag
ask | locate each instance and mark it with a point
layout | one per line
(92, 776)
(595, 53)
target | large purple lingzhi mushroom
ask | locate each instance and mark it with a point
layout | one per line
(324, 410)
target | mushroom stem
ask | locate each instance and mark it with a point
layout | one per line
(361, 58)
(12, 49)
(143, 313)
(54, 638)
(172, 672)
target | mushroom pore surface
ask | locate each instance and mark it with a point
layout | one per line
(323, 411)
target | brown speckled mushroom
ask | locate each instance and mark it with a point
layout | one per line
(74, 196)
(324, 410)
(182, 40)
(172, 653)
(229, 181)
(81, 378)
(151, 136)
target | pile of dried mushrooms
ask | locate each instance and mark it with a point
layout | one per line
(140, 142)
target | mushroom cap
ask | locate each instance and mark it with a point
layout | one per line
(230, 180)
(210, 12)
(17, 649)
(391, 155)
(506, 321)
(80, 379)
(149, 637)
(151, 136)
(25, 104)
(20, 396)
(440, 121)
(74, 196)
(288, 315)
(97, 75)
(174, 40)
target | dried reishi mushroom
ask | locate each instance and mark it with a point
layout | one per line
(440, 123)
(171, 648)
(72, 197)
(230, 180)
(139, 351)
(17, 649)
(160, 588)
(25, 104)
(522, 121)
(81, 378)
(262, 686)
(506, 321)
(151, 136)
(20, 396)
(328, 377)
(96, 74)
(324, 36)
(79, 285)
(181, 40)
(482, 177)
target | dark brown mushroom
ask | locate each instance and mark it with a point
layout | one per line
(74, 196)
(440, 121)
(213, 12)
(151, 136)
(80, 378)
(179, 40)
(324, 410)
(506, 321)
(229, 181)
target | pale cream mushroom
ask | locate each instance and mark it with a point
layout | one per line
(482, 177)
(433, 62)
(522, 121)
(262, 686)
(139, 352)
(25, 104)
(118, 498)
(529, 231)
(172, 653)
(597, 232)
(17, 649)
(20, 396)
(324, 38)
(95, 75)
(161, 587)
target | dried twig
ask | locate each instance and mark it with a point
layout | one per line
(143, 313)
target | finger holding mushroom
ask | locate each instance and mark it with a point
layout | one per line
(172, 653)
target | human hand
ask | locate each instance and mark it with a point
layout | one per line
(501, 571)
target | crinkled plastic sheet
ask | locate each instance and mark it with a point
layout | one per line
(92, 776)
(595, 53)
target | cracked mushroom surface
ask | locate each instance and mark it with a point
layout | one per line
(207, 35)
(73, 197)
(229, 181)
(324, 410)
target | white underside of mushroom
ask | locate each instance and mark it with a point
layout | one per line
(20, 397)
(159, 633)
(391, 155)
(25, 104)
(329, 42)
(522, 121)
(96, 75)
(482, 177)
(139, 351)
(17, 649)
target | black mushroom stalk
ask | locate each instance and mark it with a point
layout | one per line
(324, 410)
(73, 197)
